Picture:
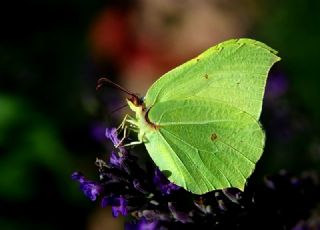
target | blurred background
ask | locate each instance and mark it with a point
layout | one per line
(52, 119)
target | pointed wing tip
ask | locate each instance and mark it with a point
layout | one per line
(251, 41)
(258, 43)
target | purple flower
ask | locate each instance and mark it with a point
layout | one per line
(147, 225)
(90, 189)
(112, 134)
(119, 205)
(165, 186)
(117, 160)
(143, 224)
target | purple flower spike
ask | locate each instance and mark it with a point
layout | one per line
(165, 186)
(90, 189)
(155, 203)
(119, 205)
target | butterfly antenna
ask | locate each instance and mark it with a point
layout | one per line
(105, 81)
(117, 109)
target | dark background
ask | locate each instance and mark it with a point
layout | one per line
(52, 120)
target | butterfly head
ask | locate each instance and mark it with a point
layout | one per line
(135, 103)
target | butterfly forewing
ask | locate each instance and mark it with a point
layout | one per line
(233, 72)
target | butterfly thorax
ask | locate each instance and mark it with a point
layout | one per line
(141, 120)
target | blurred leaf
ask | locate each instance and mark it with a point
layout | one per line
(28, 141)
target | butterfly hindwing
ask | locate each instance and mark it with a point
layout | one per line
(204, 144)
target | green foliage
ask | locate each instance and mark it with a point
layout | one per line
(29, 141)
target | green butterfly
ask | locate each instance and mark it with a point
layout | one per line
(199, 121)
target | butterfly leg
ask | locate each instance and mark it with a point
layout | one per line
(123, 123)
(126, 130)
(125, 134)
(133, 143)
(141, 140)
(127, 120)
(128, 124)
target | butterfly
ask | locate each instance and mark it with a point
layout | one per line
(200, 121)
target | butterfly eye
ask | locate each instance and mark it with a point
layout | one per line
(140, 100)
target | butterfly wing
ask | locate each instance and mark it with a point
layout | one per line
(233, 72)
(205, 145)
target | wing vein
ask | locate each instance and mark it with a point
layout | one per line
(177, 157)
(227, 165)
(191, 160)
(230, 146)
